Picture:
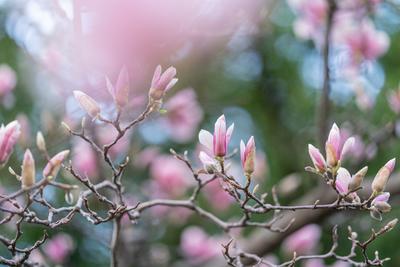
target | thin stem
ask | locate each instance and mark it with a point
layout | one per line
(114, 241)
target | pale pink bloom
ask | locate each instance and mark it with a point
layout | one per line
(183, 115)
(84, 159)
(311, 18)
(217, 143)
(8, 79)
(120, 92)
(336, 147)
(247, 155)
(59, 248)
(393, 98)
(197, 246)
(343, 179)
(303, 241)
(162, 82)
(317, 158)
(217, 196)
(9, 135)
(54, 165)
(171, 175)
(87, 103)
(366, 43)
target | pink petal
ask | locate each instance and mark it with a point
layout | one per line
(206, 139)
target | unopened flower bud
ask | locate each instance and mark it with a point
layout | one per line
(392, 224)
(40, 142)
(54, 165)
(162, 82)
(357, 179)
(381, 178)
(28, 170)
(317, 158)
(247, 155)
(87, 103)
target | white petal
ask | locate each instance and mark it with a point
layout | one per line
(206, 139)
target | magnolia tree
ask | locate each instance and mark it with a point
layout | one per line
(183, 181)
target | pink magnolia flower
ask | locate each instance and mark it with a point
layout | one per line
(248, 155)
(53, 166)
(336, 146)
(59, 248)
(183, 115)
(366, 43)
(303, 241)
(343, 180)
(162, 82)
(170, 175)
(84, 159)
(197, 246)
(217, 143)
(8, 79)
(9, 135)
(120, 92)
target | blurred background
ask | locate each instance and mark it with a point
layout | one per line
(259, 62)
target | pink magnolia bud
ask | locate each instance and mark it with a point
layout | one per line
(381, 178)
(87, 103)
(28, 170)
(247, 155)
(162, 82)
(381, 202)
(8, 138)
(357, 179)
(217, 143)
(336, 147)
(54, 165)
(120, 92)
(317, 158)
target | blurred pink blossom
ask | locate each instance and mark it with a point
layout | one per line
(8, 79)
(393, 98)
(183, 115)
(217, 196)
(84, 159)
(365, 42)
(303, 241)
(59, 248)
(197, 246)
(170, 175)
(145, 157)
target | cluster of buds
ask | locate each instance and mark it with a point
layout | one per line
(9, 135)
(216, 146)
(160, 84)
(336, 147)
